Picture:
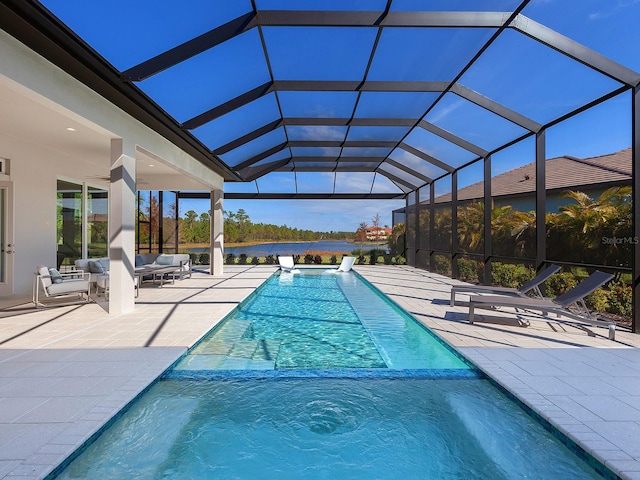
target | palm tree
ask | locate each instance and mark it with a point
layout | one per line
(583, 226)
(471, 227)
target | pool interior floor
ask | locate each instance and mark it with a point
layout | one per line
(65, 371)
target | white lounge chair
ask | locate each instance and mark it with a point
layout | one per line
(533, 285)
(74, 284)
(345, 265)
(287, 264)
(570, 304)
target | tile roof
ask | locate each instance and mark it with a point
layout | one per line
(564, 172)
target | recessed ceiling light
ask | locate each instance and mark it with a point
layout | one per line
(71, 129)
(151, 165)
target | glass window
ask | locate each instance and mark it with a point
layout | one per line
(200, 83)
(319, 53)
(442, 54)
(143, 223)
(97, 222)
(382, 184)
(69, 222)
(169, 222)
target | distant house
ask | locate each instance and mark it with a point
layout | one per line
(378, 233)
(517, 187)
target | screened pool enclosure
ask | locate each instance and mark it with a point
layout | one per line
(452, 105)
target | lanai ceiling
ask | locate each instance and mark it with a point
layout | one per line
(325, 98)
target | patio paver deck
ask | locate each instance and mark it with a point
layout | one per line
(65, 371)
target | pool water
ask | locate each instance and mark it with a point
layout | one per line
(319, 376)
(317, 320)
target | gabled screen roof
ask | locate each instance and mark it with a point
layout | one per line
(395, 93)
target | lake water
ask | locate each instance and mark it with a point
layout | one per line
(293, 248)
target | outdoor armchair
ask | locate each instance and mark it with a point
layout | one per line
(73, 284)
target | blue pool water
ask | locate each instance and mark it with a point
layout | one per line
(319, 377)
(319, 320)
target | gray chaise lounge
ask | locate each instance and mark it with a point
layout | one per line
(533, 284)
(560, 305)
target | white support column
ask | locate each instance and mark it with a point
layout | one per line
(122, 204)
(217, 226)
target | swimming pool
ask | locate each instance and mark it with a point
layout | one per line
(397, 404)
(317, 320)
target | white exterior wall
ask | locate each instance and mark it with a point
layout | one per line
(35, 166)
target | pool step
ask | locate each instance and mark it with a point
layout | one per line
(233, 331)
(255, 349)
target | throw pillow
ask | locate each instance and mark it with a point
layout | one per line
(164, 260)
(139, 261)
(55, 275)
(95, 266)
(105, 262)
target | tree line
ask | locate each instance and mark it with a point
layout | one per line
(238, 228)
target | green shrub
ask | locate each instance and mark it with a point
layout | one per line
(317, 260)
(308, 259)
(469, 270)
(333, 260)
(360, 259)
(242, 260)
(598, 301)
(387, 259)
(269, 260)
(559, 283)
(231, 259)
(620, 299)
(195, 258)
(442, 265)
(255, 261)
(510, 275)
(204, 258)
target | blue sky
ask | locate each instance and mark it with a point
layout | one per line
(515, 71)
